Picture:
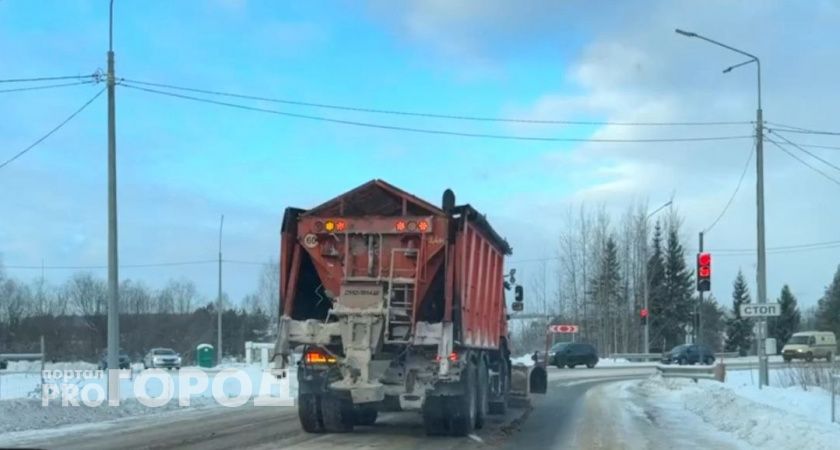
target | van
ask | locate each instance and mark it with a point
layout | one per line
(808, 345)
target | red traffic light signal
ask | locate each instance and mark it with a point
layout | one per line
(704, 271)
(643, 313)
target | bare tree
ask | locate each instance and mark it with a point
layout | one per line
(86, 293)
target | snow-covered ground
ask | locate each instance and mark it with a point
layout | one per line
(773, 417)
(27, 404)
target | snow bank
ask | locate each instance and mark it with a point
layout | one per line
(813, 404)
(21, 402)
(524, 359)
(770, 423)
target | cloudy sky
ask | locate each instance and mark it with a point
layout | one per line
(182, 164)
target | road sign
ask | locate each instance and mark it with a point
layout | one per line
(760, 310)
(563, 328)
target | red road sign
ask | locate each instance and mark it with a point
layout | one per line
(563, 328)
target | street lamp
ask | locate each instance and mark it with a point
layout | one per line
(759, 161)
(645, 276)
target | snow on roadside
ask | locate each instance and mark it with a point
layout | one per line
(765, 424)
(21, 405)
(813, 404)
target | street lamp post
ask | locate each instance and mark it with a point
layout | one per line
(645, 285)
(761, 276)
(219, 304)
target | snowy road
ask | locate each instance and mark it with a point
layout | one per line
(608, 408)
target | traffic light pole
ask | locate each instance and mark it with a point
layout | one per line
(698, 321)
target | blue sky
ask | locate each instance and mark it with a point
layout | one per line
(182, 164)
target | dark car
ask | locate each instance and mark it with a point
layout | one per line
(571, 354)
(3, 364)
(125, 361)
(689, 354)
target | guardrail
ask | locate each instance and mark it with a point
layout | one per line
(715, 372)
(658, 356)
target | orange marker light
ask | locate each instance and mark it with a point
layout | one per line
(400, 225)
(329, 226)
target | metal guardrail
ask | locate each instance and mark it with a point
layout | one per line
(715, 372)
(20, 356)
(658, 356)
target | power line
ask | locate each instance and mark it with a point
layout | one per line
(734, 193)
(800, 130)
(47, 86)
(829, 177)
(32, 80)
(432, 131)
(92, 267)
(794, 248)
(57, 127)
(429, 115)
(828, 163)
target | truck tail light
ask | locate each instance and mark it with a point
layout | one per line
(400, 225)
(318, 356)
(422, 225)
(340, 225)
(453, 357)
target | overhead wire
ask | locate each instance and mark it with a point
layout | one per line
(52, 131)
(47, 86)
(805, 163)
(426, 130)
(424, 114)
(734, 193)
(39, 79)
(817, 157)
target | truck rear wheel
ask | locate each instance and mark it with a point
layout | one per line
(462, 410)
(365, 415)
(482, 394)
(337, 414)
(434, 419)
(309, 413)
(498, 404)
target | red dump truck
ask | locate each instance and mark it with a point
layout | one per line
(395, 304)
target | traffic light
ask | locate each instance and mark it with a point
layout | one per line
(704, 272)
(643, 314)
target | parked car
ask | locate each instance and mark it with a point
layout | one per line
(162, 358)
(125, 361)
(808, 345)
(689, 354)
(570, 354)
(3, 364)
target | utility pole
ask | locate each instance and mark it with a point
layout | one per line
(219, 302)
(761, 275)
(113, 271)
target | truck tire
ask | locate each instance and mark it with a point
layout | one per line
(309, 413)
(462, 409)
(337, 414)
(434, 420)
(365, 415)
(828, 357)
(498, 405)
(482, 394)
(809, 357)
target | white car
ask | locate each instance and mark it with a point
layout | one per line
(162, 358)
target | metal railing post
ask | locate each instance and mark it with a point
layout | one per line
(833, 394)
